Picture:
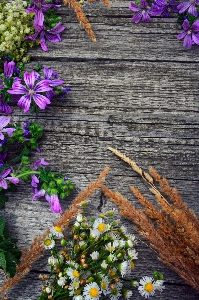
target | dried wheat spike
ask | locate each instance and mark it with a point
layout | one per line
(81, 17)
(37, 249)
(133, 165)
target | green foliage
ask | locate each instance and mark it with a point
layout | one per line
(9, 253)
(3, 198)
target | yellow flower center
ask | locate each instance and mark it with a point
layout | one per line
(148, 287)
(75, 284)
(76, 274)
(94, 292)
(111, 248)
(47, 242)
(103, 285)
(58, 229)
(132, 265)
(101, 227)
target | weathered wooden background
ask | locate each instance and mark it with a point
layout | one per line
(135, 89)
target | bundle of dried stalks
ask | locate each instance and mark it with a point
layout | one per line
(172, 230)
(81, 15)
(36, 249)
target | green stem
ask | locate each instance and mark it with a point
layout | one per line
(27, 173)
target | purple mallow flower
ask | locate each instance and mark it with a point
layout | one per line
(163, 8)
(52, 76)
(4, 107)
(191, 6)
(190, 33)
(52, 35)
(31, 91)
(40, 162)
(142, 12)
(4, 178)
(2, 158)
(4, 121)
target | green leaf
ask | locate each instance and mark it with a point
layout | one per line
(3, 261)
(10, 264)
(3, 199)
(2, 226)
(44, 174)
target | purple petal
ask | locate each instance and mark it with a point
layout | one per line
(43, 86)
(188, 42)
(9, 131)
(195, 25)
(3, 184)
(55, 205)
(40, 162)
(48, 198)
(37, 76)
(192, 10)
(46, 7)
(57, 29)
(137, 17)
(181, 35)
(195, 37)
(38, 194)
(4, 107)
(29, 79)
(1, 137)
(34, 181)
(145, 17)
(14, 180)
(8, 69)
(24, 102)
(4, 121)
(134, 7)
(183, 6)
(185, 25)
(41, 101)
(5, 173)
(18, 89)
(53, 38)
(43, 42)
(47, 72)
(50, 94)
(56, 82)
(39, 18)
(33, 36)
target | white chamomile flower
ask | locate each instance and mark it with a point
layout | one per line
(128, 294)
(105, 285)
(61, 281)
(110, 247)
(131, 237)
(72, 273)
(99, 226)
(94, 255)
(49, 243)
(116, 243)
(123, 229)
(57, 231)
(77, 225)
(129, 244)
(122, 243)
(52, 260)
(72, 264)
(159, 285)
(104, 265)
(111, 258)
(132, 254)
(73, 286)
(48, 290)
(115, 294)
(78, 297)
(147, 286)
(82, 243)
(91, 291)
(79, 218)
(124, 268)
(94, 233)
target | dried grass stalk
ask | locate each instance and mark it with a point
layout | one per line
(81, 17)
(36, 249)
(172, 230)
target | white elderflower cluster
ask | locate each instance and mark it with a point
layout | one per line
(15, 25)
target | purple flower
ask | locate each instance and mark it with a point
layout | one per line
(3, 178)
(2, 158)
(52, 35)
(34, 181)
(142, 12)
(191, 6)
(53, 200)
(50, 74)
(3, 123)
(9, 69)
(40, 162)
(163, 8)
(31, 91)
(190, 33)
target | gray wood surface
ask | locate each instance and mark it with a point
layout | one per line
(135, 89)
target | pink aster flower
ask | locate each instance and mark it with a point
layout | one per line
(4, 178)
(4, 121)
(31, 91)
(190, 33)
